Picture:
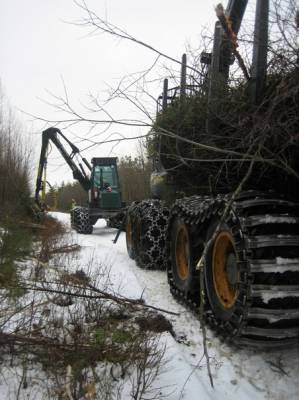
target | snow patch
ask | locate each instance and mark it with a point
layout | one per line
(269, 295)
(272, 219)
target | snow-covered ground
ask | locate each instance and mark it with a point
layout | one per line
(238, 374)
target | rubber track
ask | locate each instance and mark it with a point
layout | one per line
(266, 233)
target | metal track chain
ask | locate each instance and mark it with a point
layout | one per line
(150, 219)
(266, 234)
(80, 220)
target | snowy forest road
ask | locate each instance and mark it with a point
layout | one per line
(238, 373)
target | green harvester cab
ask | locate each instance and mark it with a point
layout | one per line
(105, 191)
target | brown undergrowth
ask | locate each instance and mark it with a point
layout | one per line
(70, 335)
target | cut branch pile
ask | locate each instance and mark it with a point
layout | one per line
(268, 134)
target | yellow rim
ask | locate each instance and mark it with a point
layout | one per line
(182, 252)
(223, 269)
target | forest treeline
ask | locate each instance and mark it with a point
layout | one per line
(16, 174)
(134, 174)
(15, 155)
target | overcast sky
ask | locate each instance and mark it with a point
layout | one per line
(39, 49)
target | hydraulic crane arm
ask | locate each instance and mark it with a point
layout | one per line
(235, 11)
(51, 134)
(221, 57)
(227, 28)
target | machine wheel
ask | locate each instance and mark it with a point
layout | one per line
(129, 237)
(222, 272)
(131, 230)
(182, 265)
(80, 220)
(150, 227)
(74, 217)
(251, 269)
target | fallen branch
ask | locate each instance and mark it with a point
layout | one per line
(66, 249)
(277, 367)
(27, 224)
(101, 295)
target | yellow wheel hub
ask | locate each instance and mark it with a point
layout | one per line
(225, 270)
(129, 233)
(182, 252)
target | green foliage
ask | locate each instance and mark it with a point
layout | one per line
(62, 197)
(209, 153)
(100, 336)
(15, 202)
(111, 332)
(110, 341)
(15, 244)
(121, 336)
(182, 118)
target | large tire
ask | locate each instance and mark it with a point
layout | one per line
(222, 271)
(131, 232)
(251, 267)
(74, 217)
(80, 220)
(149, 235)
(182, 268)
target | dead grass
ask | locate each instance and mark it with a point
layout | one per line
(50, 238)
(77, 345)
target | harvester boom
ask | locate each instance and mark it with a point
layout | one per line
(51, 134)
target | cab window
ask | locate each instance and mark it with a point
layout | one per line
(105, 174)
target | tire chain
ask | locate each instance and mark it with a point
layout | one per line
(149, 222)
(80, 220)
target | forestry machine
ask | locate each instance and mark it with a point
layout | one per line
(101, 183)
(226, 228)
